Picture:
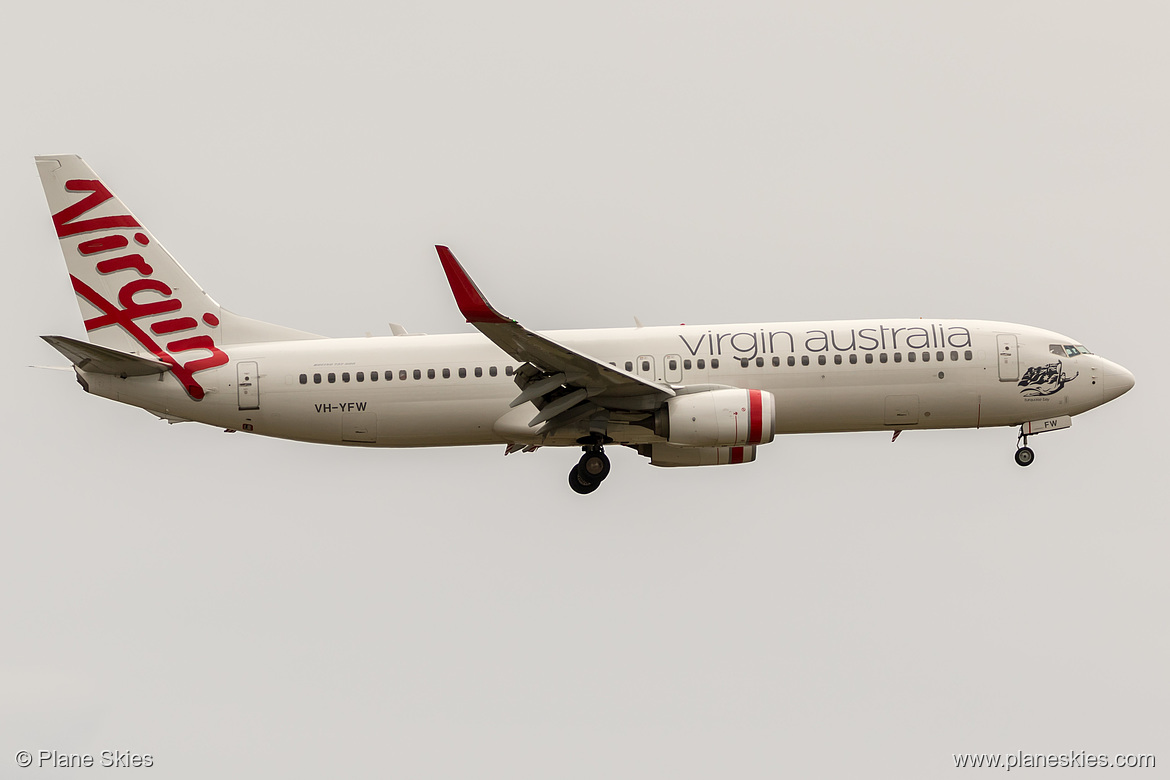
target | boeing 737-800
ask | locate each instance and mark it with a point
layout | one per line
(680, 396)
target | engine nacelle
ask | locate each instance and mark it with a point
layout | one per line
(670, 455)
(719, 418)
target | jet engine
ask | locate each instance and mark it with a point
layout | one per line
(730, 417)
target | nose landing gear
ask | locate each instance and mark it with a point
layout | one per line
(1024, 454)
(590, 471)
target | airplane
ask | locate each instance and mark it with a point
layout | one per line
(680, 396)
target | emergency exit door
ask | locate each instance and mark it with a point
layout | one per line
(1009, 359)
(248, 384)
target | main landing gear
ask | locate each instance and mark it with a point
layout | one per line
(590, 471)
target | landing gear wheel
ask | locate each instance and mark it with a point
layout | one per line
(594, 465)
(580, 485)
(1025, 456)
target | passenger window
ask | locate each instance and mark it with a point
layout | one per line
(673, 364)
(361, 376)
(883, 358)
(373, 376)
(925, 357)
(507, 371)
(402, 374)
(701, 364)
(775, 362)
(714, 362)
(967, 355)
(759, 362)
(344, 376)
(687, 364)
(954, 354)
(791, 360)
(417, 374)
(898, 357)
(853, 359)
(316, 379)
(939, 356)
(804, 360)
(821, 360)
(446, 373)
(389, 375)
(911, 356)
(430, 373)
(478, 371)
(332, 378)
(304, 379)
(868, 357)
(743, 362)
(645, 365)
(492, 371)
(837, 360)
(463, 373)
(629, 365)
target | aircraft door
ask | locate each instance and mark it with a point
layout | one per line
(645, 367)
(672, 369)
(1009, 358)
(248, 384)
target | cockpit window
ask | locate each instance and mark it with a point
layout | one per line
(1068, 350)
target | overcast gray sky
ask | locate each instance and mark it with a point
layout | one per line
(843, 607)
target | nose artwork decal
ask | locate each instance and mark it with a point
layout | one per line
(1045, 380)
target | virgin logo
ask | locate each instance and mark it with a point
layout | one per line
(110, 240)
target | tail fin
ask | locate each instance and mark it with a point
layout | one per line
(134, 296)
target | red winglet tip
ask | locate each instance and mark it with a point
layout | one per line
(470, 300)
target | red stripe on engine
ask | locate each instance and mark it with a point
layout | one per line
(756, 413)
(736, 455)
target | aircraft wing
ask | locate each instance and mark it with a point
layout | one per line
(558, 379)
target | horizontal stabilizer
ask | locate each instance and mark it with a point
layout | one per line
(103, 360)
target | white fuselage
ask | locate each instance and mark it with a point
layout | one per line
(455, 389)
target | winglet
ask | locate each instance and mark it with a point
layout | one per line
(471, 301)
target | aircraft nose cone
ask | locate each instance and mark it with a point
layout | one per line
(1118, 381)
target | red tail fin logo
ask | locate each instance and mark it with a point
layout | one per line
(129, 308)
